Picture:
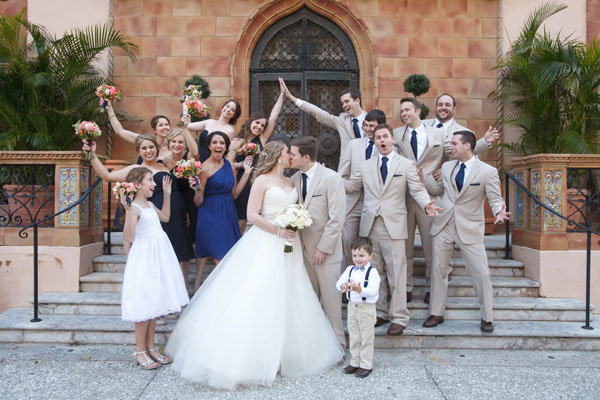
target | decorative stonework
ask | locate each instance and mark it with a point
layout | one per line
(28, 157)
(553, 184)
(67, 195)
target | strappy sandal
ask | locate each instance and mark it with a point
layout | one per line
(150, 362)
(162, 359)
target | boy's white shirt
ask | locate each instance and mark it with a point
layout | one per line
(370, 293)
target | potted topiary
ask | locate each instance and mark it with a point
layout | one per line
(418, 84)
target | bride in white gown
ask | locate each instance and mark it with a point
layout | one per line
(257, 313)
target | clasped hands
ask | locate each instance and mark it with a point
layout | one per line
(350, 286)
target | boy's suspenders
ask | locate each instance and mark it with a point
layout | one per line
(366, 282)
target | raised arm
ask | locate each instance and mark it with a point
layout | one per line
(126, 135)
(165, 212)
(190, 142)
(266, 135)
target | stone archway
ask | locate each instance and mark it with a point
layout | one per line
(268, 14)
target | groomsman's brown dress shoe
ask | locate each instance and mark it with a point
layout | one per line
(380, 321)
(432, 321)
(363, 373)
(487, 327)
(395, 330)
(408, 297)
(349, 369)
(426, 299)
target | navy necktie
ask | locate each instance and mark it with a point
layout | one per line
(356, 128)
(460, 176)
(369, 150)
(440, 125)
(304, 176)
(413, 143)
(384, 168)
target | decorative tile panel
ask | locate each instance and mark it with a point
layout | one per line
(97, 203)
(84, 206)
(67, 195)
(536, 186)
(519, 203)
(553, 184)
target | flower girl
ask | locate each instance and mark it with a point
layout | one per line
(152, 283)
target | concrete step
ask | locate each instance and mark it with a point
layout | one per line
(498, 267)
(101, 282)
(505, 308)
(15, 327)
(462, 286)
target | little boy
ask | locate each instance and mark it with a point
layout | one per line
(360, 282)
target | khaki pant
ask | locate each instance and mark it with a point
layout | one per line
(350, 232)
(476, 262)
(389, 258)
(323, 278)
(416, 216)
(361, 329)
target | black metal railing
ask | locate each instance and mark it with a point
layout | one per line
(35, 225)
(576, 226)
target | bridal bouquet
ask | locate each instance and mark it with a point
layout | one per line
(192, 104)
(128, 189)
(248, 149)
(187, 169)
(87, 131)
(107, 92)
(293, 217)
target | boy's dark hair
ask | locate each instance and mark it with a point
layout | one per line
(307, 145)
(467, 137)
(362, 243)
(376, 115)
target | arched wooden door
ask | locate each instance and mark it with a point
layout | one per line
(317, 61)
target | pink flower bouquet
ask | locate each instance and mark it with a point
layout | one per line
(192, 104)
(107, 92)
(187, 169)
(87, 131)
(126, 189)
(248, 149)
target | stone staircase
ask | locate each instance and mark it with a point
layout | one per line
(523, 319)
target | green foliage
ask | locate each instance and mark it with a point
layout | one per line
(203, 85)
(418, 84)
(49, 83)
(550, 89)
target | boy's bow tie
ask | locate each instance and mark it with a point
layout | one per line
(359, 268)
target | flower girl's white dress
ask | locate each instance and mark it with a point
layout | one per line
(152, 283)
(255, 315)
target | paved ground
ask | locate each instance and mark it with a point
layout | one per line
(32, 371)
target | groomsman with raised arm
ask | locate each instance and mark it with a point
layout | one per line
(429, 147)
(348, 124)
(385, 180)
(321, 190)
(357, 152)
(466, 181)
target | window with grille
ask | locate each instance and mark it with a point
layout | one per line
(317, 61)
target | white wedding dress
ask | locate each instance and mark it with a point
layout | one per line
(255, 315)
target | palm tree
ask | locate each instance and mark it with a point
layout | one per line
(48, 83)
(550, 88)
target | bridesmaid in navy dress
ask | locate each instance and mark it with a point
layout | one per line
(230, 112)
(217, 227)
(257, 129)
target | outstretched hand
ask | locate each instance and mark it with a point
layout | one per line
(166, 185)
(431, 209)
(502, 215)
(285, 90)
(492, 135)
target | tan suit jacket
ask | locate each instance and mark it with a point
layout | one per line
(326, 203)
(388, 200)
(341, 123)
(438, 147)
(466, 206)
(480, 147)
(350, 163)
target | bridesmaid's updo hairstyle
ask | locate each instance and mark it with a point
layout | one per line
(245, 134)
(268, 157)
(238, 111)
(174, 133)
(154, 120)
(223, 135)
(145, 136)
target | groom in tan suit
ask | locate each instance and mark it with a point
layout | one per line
(466, 181)
(321, 191)
(385, 180)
